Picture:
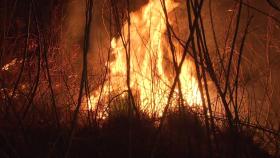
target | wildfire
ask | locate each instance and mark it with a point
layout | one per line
(152, 71)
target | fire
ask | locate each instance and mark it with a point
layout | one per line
(152, 71)
(9, 65)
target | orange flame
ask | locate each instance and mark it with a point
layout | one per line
(151, 67)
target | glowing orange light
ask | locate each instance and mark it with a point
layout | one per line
(150, 73)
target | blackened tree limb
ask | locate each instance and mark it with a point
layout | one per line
(273, 4)
(88, 15)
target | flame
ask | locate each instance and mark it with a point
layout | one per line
(152, 71)
(9, 65)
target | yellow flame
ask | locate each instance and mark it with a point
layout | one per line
(151, 75)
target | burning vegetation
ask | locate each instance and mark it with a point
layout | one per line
(139, 78)
(150, 63)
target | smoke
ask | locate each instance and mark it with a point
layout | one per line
(100, 32)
